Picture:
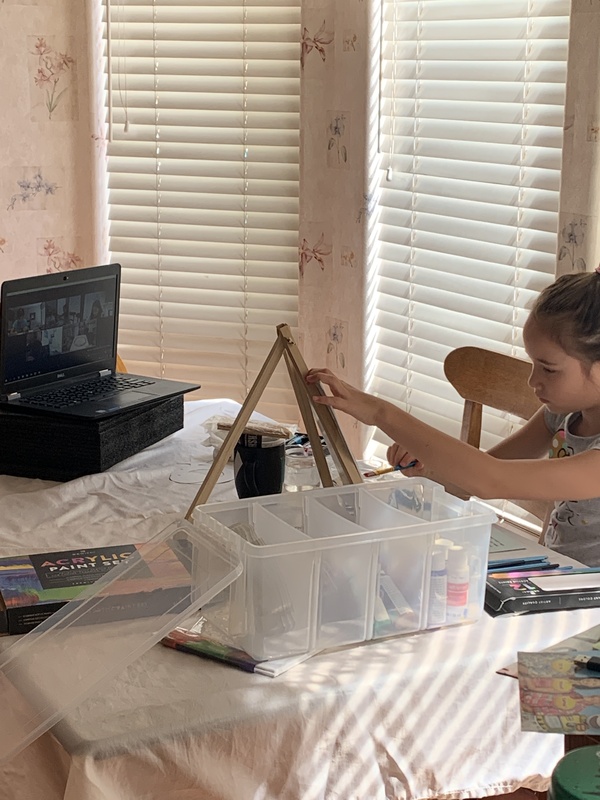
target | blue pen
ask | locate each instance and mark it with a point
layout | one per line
(516, 562)
(385, 470)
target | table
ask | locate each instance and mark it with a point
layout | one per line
(418, 717)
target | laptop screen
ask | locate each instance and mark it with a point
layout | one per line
(58, 326)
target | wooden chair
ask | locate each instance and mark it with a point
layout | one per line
(484, 378)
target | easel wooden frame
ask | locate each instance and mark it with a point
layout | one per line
(286, 346)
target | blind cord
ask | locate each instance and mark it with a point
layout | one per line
(109, 98)
(245, 169)
(122, 68)
(414, 185)
(389, 174)
(158, 186)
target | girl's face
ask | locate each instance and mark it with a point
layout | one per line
(560, 381)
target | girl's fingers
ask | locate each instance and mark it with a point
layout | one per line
(324, 399)
(393, 455)
(319, 374)
(413, 472)
(343, 397)
(398, 455)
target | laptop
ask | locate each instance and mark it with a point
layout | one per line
(58, 347)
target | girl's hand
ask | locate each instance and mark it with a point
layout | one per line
(360, 405)
(397, 454)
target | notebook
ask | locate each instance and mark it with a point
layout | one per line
(58, 347)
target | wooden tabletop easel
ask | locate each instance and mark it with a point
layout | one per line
(286, 346)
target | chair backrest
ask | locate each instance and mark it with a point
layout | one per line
(484, 378)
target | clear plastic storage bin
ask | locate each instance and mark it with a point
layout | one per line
(344, 565)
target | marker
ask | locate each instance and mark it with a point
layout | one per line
(588, 662)
(582, 570)
(529, 570)
(385, 470)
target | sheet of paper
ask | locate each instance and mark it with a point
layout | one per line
(502, 540)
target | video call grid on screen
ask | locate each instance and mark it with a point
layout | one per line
(56, 328)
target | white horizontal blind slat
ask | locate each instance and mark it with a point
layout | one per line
(203, 188)
(471, 118)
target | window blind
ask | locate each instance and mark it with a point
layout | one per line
(471, 119)
(203, 118)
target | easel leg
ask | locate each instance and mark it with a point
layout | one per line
(238, 426)
(285, 345)
(349, 472)
(302, 397)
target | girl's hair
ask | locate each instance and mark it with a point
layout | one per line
(569, 312)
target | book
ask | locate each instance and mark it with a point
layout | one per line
(206, 640)
(521, 593)
(557, 694)
(32, 587)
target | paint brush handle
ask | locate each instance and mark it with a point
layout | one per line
(373, 473)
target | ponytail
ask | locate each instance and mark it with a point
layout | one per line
(569, 312)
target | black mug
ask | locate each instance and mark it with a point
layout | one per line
(259, 465)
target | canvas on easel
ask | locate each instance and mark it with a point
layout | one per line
(286, 347)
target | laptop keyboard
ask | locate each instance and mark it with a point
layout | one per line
(77, 393)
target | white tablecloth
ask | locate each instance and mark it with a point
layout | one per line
(417, 717)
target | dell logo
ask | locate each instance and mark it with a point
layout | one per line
(60, 375)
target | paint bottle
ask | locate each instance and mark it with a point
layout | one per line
(457, 587)
(437, 589)
(443, 544)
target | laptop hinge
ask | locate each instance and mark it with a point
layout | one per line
(14, 396)
(104, 372)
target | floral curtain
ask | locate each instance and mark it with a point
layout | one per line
(334, 196)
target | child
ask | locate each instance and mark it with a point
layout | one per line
(562, 338)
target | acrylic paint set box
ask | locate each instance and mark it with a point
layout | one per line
(35, 586)
(340, 566)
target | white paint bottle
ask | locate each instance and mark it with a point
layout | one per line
(457, 587)
(437, 589)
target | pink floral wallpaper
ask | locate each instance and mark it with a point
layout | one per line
(46, 176)
(579, 218)
(53, 149)
(336, 202)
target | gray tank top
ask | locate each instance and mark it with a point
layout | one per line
(574, 527)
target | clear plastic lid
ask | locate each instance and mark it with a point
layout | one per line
(110, 624)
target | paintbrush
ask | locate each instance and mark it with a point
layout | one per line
(384, 470)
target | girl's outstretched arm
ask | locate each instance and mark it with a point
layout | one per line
(439, 452)
(452, 461)
(532, 440)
